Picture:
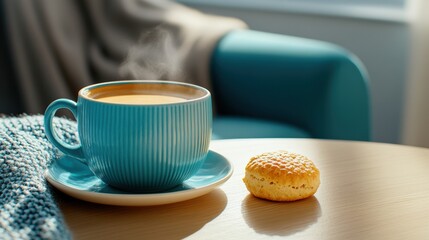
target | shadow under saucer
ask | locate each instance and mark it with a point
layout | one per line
(280, 218)
(171, 221)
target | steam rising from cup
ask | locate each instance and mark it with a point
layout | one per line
(154, 57)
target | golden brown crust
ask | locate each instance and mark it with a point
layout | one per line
(281, 176)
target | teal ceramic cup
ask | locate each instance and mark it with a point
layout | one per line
(140, 136)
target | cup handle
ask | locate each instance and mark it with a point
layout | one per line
(71, 150)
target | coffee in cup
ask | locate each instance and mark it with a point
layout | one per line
(141, 99)
(140, 136)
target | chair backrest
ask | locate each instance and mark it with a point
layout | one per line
(314, 85)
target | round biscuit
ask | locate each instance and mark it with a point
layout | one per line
(281, 176)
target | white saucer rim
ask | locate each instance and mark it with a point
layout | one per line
(140, 199)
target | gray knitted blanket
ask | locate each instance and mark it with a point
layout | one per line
(27, 207)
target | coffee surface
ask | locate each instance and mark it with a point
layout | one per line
(141, 99)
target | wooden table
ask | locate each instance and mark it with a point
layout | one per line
(367, 191)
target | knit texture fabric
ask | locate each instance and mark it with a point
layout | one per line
(27, 207)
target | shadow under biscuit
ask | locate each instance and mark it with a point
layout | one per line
(280, 218)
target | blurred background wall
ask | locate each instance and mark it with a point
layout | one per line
(416, 129)
(379, 36)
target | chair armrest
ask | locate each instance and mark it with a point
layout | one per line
(314, 85)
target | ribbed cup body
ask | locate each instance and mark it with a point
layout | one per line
(144, 148)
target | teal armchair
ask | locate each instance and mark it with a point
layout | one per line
(270, 85)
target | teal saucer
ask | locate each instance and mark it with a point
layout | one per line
(74, 178)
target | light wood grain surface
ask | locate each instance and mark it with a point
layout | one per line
(367, 191)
